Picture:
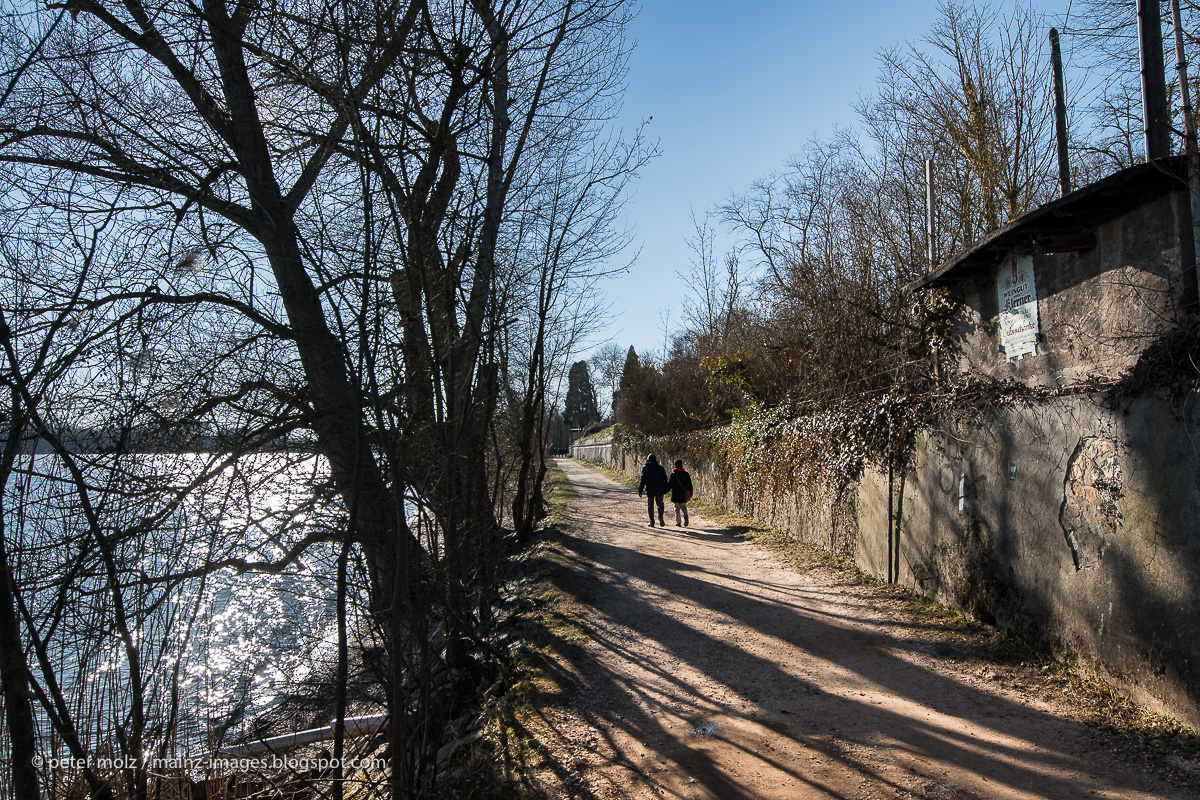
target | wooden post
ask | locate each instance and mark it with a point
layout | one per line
(1189, 136)
(1154, 86)
(1060, 115)
(930, 220)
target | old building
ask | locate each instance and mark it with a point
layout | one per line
(1075, 291)
(1070, 516)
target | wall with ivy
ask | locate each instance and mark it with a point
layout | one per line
(1068, 519)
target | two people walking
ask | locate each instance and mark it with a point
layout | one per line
(655, 484)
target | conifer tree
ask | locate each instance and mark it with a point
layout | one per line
(631, 376)
(581, 408)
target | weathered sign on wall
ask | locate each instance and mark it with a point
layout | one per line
(1017, 293)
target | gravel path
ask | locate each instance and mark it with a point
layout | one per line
(710, 670)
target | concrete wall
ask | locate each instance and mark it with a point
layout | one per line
(592, 451)
(596, 447)
(1077, 530)
(1098, 309)
(1090, 549)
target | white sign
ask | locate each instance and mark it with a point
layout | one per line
(1017, 292)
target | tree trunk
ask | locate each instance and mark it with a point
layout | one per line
(14, 670)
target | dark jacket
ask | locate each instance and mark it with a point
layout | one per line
(680, 485)
(654, 479)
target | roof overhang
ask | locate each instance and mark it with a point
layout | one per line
(1066, 224)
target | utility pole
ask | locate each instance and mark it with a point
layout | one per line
(1154, 86)
(1189, 136)
(1060, 115)
(931, 252)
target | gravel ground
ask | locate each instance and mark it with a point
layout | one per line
(698, 664)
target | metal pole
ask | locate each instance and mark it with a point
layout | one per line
(930, 221)
(1189, 136)
(352, 726)
(1060, 115)
(891, 510)
(1154, 85)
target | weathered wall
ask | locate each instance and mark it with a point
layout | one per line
(1089, 550)
(1098, 309)
(597, 447)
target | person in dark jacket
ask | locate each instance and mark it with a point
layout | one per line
(680, 484)
(654, 484)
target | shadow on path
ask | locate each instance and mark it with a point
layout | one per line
(710, 671)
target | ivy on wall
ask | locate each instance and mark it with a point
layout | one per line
(777, 449)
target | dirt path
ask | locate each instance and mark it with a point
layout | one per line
(710, 670)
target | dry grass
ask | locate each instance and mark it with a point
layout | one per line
(547, 635)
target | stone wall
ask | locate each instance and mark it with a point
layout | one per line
(1077, 530)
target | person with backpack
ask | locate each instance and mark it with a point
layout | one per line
(654, 483)
(680, 484)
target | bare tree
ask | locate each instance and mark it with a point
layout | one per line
(1105, 34)
(976, 98)
(324, 224)
(132, 496)
(570, 219)
(606, 364)
(837, 234)
(716, 285)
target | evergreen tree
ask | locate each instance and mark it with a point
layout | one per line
(631, 376)
(581, 408)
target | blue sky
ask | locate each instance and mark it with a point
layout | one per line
(733, 92)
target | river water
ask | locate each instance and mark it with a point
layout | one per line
(215, 647)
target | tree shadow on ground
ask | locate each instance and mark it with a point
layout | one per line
(619, 596)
